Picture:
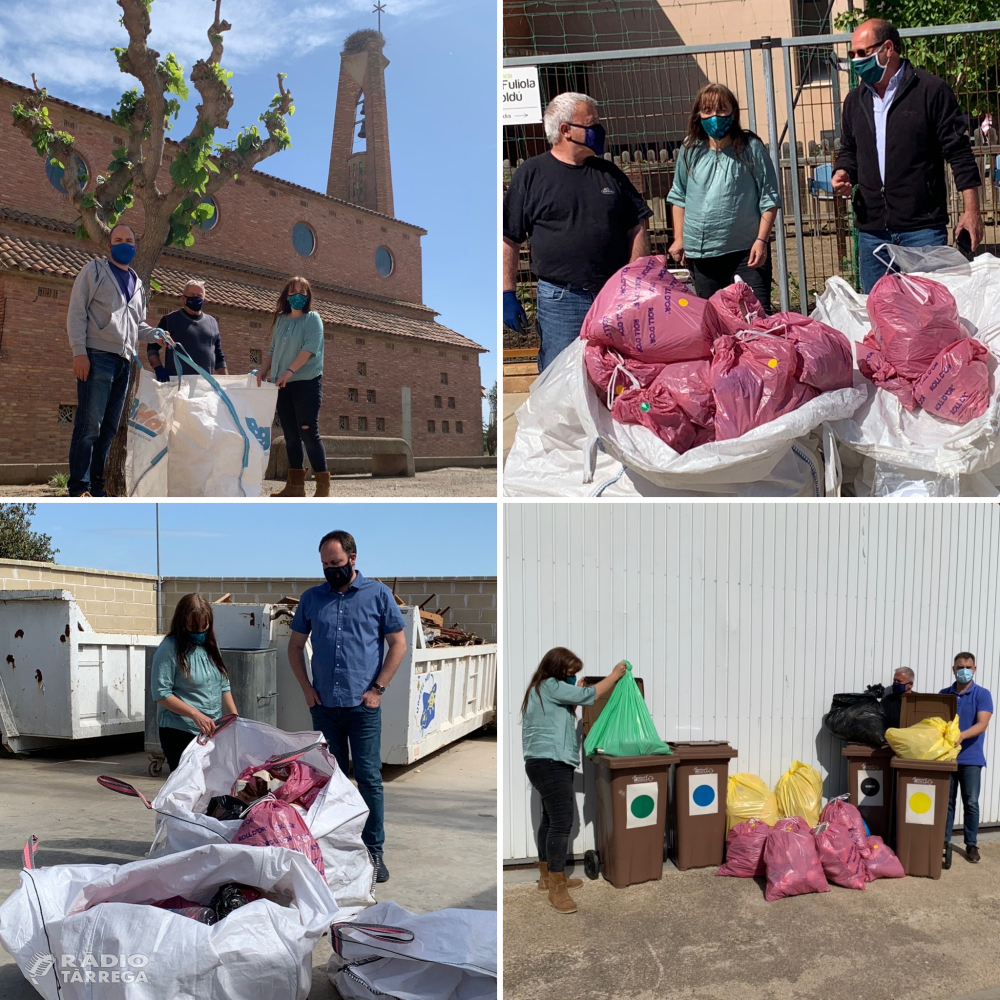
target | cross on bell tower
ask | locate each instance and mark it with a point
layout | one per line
(360, 170)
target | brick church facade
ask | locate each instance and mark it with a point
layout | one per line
(389, 368)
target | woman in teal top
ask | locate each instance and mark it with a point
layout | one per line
(550, 751)
(295, 364)
(725, 198)
(189, 682)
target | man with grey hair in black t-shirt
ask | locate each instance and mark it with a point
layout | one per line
(583, 216)
(196, 331)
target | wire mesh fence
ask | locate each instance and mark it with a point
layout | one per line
(790, 92)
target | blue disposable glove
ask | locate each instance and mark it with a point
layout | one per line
(514, 315)
(161, 373)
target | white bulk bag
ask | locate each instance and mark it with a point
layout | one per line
(563, 428)
(261, 951)
(336, 817)
(443, 955)
(881, 428)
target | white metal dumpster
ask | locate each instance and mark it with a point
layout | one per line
(437, 696)
(59, 679)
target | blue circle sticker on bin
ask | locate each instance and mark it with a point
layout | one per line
(703, 793)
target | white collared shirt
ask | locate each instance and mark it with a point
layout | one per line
(880, 105)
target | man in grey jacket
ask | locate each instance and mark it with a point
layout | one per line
(107, 315)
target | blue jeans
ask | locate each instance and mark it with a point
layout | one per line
(361, 727)
(559, 314)
(872, 268)
(99, 408)
(969, 777)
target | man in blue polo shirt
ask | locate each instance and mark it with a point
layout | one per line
(975, 709)
(352, 621)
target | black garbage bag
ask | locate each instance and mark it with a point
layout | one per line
(858, 718)
(226, 807)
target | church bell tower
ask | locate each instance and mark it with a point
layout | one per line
(359, 157)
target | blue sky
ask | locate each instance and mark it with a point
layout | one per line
(272, 539)
(441, 85)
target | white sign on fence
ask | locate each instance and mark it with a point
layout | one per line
(520, 96)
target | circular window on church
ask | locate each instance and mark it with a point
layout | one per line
(383, 261)
(213, 220)
(303, 239)
(54, 171)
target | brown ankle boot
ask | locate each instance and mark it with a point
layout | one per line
(558, 896)
(543, 879)
(295, 485)
(322, 484)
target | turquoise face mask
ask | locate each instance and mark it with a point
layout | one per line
(963, 675)
(869, 68)
(297, 301)
(198, 638)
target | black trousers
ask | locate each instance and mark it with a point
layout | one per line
(554, 782)
(712, 273)
(173, 741)
(298, 412)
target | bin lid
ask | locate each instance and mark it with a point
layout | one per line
(642, 763)
(862, 750)
(915, 707)
(591, 712)
(703, 749)
(924, 765)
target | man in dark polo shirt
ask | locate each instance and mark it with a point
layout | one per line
(352, 622)
(583, 217)
(975, 709)
(196, 331)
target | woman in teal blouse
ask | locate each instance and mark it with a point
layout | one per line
(295, 365)
(189, 682)
(725, 198)
(550, 751)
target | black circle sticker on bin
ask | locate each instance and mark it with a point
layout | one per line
(870, 787)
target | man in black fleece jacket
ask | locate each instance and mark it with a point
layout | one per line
(899, 126)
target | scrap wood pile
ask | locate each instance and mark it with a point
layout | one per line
(433, 626)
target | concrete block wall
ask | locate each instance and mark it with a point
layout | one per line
(112, 602)
(473, 599)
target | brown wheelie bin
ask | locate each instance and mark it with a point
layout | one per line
(922, 788)
(698, 802)
(870, 785)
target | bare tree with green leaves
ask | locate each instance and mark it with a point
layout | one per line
(200, 166)
(17, 540)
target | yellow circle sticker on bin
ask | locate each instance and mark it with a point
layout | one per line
(920, 801)
(773, 363)
(682, 302)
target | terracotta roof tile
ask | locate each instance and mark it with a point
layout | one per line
(58, 260)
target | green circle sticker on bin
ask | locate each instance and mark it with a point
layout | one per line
(642, 806)
(641, 799)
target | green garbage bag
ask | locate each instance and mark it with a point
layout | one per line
(625, 728)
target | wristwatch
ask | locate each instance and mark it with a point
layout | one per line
(378, 689)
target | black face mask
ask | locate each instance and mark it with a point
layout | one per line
(194, 303)
(338, 576)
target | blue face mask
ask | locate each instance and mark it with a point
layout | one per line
(717, 126)
(963, 675)
(899, 688)
(869, 69)
(594, 136)
(198, 638)
(297, 301)
(122, 253)
(570, 680)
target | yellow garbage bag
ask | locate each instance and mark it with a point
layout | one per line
(929, 739)
(747, 797)
(799, 792)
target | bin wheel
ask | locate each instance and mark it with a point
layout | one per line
(947, 857)
(591, 864)
(155, 767)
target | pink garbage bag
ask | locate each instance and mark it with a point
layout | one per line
(609, 370)
(655, 407)
(838, 854)
(826, 359)
(913, 320)
(646, 314)
(745, 850)
(956, 387)
(792, 860)
(690, 385)
(841, 811)
(754, 381)
(732, 309)
(273, 823)
(881, 861)
(873, 364)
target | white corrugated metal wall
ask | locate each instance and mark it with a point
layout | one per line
(744, 619)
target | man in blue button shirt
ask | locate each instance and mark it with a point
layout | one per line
(975, 709)
(351, 621)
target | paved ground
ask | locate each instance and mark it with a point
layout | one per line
(693, 935)
(437, 483)
(441, 822)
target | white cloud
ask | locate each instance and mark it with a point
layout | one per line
(72, 53)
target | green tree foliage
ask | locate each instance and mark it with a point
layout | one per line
(17, 540)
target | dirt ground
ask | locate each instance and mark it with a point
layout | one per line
(693, 935)
(437, 483)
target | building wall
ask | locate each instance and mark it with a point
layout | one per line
(111, 602)
(744, 619)
(473, 599)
